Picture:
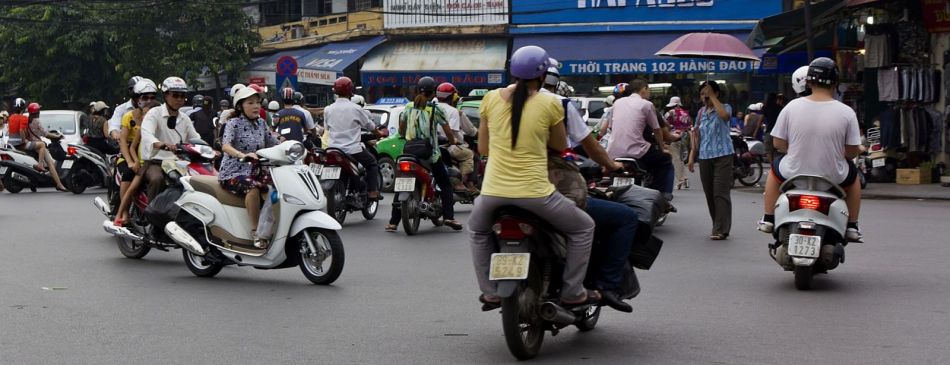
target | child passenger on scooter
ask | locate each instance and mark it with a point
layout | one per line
(131, 123)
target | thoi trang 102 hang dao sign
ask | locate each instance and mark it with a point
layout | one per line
(654, 67)
(444, 13)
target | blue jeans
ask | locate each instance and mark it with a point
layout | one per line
(661, 166)
(615, 227)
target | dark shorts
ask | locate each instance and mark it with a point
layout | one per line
(240, 185)
(850, 179)
(124, 171)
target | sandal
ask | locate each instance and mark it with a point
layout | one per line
(62, 189)
(453, 224)
(718, 237)
(488, 304)
(391, 228)
(592, 297)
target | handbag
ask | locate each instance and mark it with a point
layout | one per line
(567, 179)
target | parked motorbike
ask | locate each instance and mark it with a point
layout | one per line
(811, 220)
(17, 172)
(416, 193)
(89, 169)
(145, 231)
(214, 227)
(748, 160)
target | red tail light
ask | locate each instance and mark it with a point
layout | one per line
(70, 150)
(810, 202)
(5, 157)
(334, 159)
(512, 229)
(405, 166)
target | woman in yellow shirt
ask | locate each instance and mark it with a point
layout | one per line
(518, 126)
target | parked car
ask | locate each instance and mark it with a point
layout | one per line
(64, 121)
(591, 108)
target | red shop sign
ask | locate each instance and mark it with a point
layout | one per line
(936, 15)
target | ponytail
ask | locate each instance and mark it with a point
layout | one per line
(518, 100)
(421, 100)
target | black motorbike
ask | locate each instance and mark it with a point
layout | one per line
(18, 173)
(343, 181)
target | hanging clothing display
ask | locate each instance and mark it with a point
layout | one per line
(909, 83)
(911, 129)
(880, 44)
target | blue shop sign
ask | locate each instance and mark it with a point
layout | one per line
(653, 66)
(392, 101)
(646, 15)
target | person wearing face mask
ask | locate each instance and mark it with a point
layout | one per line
(244, 133)
(163, 128)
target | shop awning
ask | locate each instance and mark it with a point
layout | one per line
(624, 53)
(463, 62)
(264, 69)
(771, 30)
(327, 62)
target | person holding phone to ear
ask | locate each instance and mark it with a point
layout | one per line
(712, 147)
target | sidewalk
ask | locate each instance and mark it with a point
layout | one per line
(884, 191)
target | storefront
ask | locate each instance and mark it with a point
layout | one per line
(598, 45)
(392, 69)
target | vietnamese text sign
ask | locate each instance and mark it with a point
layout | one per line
(441, 13)
(654, 66)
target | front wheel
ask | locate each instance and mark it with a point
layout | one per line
(201, 266)
(387, 172)
(321, 255)
(523, 326)
(803, 276)
(370, 209)
(411, 216)
(753, 175)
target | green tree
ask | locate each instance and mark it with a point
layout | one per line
(79, 50)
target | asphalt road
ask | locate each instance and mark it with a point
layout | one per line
(405, 300)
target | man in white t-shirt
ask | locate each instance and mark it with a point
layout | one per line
(820, 136)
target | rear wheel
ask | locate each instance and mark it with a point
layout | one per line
(803, 276)
(523, 326)
(387, 172)
(12, 185)
(201, 266)
(77, 182)
(323, 263)
(753, 174)
(410, 214)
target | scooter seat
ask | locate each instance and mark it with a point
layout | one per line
(210, 185)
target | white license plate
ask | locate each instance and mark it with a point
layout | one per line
(404, 184)
(3, 170)
(878, 163)
(330, 173)
(623, 181)
(67, 164)
(509, 266)
(800, 245)
(316, 169)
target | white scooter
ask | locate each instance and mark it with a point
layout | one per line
(215, 230)
(811, 219)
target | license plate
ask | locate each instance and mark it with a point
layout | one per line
(404, 184)
(509, 266)
(3, 170)
(316, 169)
(804, 246)
(623, 181)
(878, 163)
(67, 164)
(330, 173)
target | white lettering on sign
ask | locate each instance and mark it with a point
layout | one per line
(324, 63)
(450, 13)
(582, 4)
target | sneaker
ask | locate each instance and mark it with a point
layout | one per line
(766, 227)
(854, 235)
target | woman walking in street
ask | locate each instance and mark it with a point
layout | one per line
(712, 147)
(678, 119)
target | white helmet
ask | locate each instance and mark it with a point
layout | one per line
(610, 100)
(358, 100)
(4, 114)
(235, 88)
(552, 76)
(798, 81)
(243, 93)
(144, 86)
(175, 84)
(273, 106)
(99, 106)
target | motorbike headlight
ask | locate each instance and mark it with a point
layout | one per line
(296, 152)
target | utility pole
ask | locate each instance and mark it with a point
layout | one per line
(808, 32)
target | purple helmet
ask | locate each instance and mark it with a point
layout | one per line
(529, 62)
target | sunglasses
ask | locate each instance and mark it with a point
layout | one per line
(178, 95)
(147, 97)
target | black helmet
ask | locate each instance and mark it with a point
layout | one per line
(426, 85)
(197, 100)
(822, 71)
(298, 97)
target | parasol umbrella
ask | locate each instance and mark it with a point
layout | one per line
(708, 45)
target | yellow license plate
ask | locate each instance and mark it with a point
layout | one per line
(509, 266)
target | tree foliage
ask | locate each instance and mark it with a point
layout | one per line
(76, 51)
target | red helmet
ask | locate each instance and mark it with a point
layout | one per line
(33, 108)
(445, 90)
(287, 93)
(343, 87)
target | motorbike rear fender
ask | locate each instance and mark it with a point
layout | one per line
(313, 219)
(837, 218)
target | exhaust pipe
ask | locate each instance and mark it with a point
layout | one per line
(103, 206)
(554, 313)
(183, 239)
(120, 231)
